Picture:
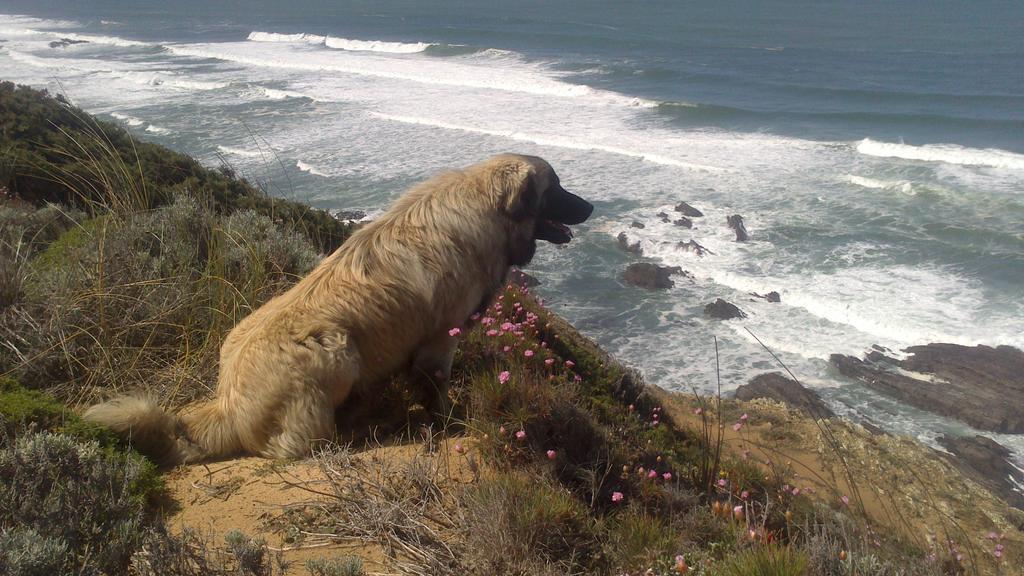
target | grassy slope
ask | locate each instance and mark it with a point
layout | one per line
(590, 505)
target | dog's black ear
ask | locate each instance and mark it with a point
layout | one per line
(520, 198)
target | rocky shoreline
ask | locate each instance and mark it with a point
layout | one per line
(980, 386)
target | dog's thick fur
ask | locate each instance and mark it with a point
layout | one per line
(383, 302)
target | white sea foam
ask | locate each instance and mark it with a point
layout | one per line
(172, 80)
(546, 140)
(129, 120)
(153, 128)
(116, 69)
(275, 94)
(376, 45)
(865, 182)
(342, 43)
(291, 38)
(106, 40)
(454, 72)
(947, 153)
(310, 169)
(25, 25)
(242, 152)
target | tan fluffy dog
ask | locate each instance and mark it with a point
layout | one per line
(383, 302)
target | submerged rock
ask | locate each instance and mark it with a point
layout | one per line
(624, 243)
(687, 210)
(65, 42)
(981, 386)
(790, 392)
(664, 217)
(723, 310)
(988, 463)
(693, 246)
(651, 276)
(736, 223)
(772, 296)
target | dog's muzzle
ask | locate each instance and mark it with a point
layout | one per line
(561, 209)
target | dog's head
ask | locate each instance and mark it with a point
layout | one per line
(535, 204)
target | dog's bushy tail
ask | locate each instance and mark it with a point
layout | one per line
(168, 439)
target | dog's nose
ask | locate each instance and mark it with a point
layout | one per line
(566, 207)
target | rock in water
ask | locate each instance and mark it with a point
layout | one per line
(987, 462)
(736, 223)
(777, 387)
(694, 247)
(350, 215)
(637, 224)
(723, 310)
(664, 217)
(684, 222)
(771, 296)
(981, 386)
(652, 276)
(687, 210)
(520, 278)
(633, 248)
(65, 42)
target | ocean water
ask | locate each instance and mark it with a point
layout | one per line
(875, 150)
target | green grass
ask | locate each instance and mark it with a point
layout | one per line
(767, 561)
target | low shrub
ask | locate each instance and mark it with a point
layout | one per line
(515, 521)
(144, 301)
(89, 501)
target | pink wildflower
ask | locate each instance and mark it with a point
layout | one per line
(744, 417)
(698, 411)
(459, 449)
(528, 353)
(667, 476)
(552, 454)
(652, 474)
(722, 482)
(617, 496)
(736, 427)
(549, 361)
(845, 499)
(492, 333)
(569, 364)
(455, 332)
(796, 491)
(504, 376)
(506, 348)
(744, 495)
(521, 435)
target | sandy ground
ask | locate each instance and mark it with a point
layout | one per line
(253, 494)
